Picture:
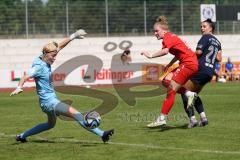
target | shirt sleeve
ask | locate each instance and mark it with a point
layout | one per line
(202, 43)
(35, 71)
(220, 47)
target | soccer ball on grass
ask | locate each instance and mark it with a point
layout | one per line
(92, 119)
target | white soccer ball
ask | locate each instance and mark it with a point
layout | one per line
(92, 119)
(222, 80)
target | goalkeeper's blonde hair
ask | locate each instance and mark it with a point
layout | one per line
(162, 21)
(50, 47)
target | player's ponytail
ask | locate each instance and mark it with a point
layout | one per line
(162, 21)
(211, 24)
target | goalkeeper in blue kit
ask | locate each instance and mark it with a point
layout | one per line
(48, 101)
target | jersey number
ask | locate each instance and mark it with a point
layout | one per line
(212, 51)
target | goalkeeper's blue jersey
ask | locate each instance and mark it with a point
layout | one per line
(41, 72)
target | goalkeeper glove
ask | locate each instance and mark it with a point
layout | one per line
(16, 91)
(79, 34)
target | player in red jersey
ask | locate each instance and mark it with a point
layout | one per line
(188, 65)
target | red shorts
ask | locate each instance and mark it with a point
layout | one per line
(184, 72)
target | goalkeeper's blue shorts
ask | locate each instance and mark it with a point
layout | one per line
(49, 107)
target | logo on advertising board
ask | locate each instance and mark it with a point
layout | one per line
(151, 73)
(208, 11)
(107, 74)
(16, 75)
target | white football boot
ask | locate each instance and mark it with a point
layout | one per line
(158, 123)
(193, 123)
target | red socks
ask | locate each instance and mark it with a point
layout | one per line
(168, 102)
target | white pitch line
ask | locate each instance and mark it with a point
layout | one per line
(134, 145)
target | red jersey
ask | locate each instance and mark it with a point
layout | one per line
(178, 48)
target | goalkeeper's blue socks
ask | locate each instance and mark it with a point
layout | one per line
(37, 129)
(80, 119)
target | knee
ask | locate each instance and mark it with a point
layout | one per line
(166, 83)
(51, 124)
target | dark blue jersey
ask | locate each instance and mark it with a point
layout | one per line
(209, 45)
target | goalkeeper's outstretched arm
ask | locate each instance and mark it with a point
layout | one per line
(79, 34)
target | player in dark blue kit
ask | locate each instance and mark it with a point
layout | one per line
(209, 53)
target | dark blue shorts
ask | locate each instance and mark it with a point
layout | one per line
(201, 78)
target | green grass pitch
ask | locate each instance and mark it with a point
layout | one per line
(132, 140)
